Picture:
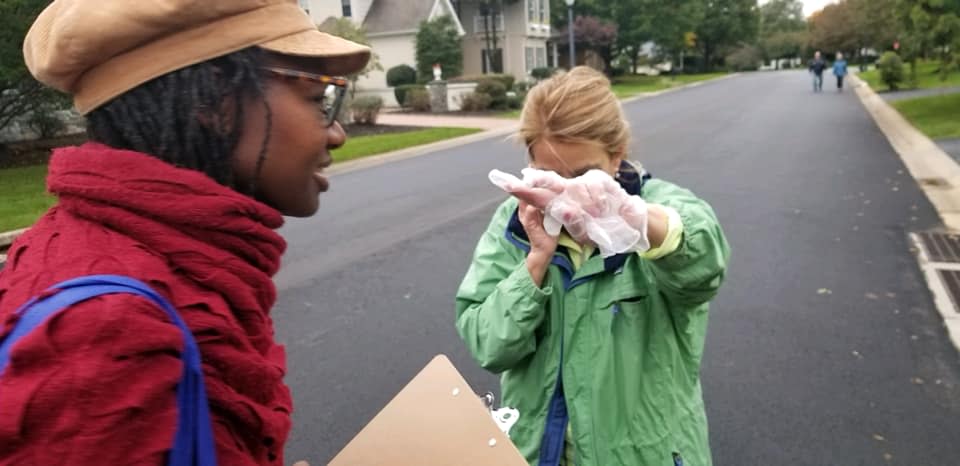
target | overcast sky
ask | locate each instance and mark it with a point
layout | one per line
(809, 6)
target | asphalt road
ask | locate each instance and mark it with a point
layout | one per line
(824, 346)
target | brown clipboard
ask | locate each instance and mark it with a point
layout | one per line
(436, 420)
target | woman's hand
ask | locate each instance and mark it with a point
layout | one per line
(542, 245)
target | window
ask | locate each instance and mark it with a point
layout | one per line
(496, 61)
(543, 12)
(528, 56)
(305, 5)
(532, 11)
(345, 4)
(480, 28)
(541, 57)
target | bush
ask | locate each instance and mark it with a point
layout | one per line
(505, 79)
(891, 70)
(746, 58)
(541, 73)
(400, 92)
(366, 110)
(515, 102)
(522, 87)
(418, 100)
(496, 90)
(401, 74)
(475, 102)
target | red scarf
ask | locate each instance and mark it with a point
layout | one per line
(210, 250)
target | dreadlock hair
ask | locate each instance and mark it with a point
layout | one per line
(179, 117)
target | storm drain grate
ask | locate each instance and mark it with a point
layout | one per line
(941, 247)
(951, 280)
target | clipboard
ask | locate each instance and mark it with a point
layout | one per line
(436, 420)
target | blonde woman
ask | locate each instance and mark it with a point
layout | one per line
(601, 355)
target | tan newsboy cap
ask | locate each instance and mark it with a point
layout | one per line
(98, 49)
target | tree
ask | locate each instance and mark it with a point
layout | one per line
(833, 29)
(782, 30)
(20, 94)
(727, 24)
(438, 42)
(345, 28)
(930, 26)
(592, 33)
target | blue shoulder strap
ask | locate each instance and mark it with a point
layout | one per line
(193, 444)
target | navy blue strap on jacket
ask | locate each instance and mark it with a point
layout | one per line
(193, 444)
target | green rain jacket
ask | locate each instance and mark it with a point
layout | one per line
(613, 348)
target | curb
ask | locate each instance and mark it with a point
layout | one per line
(647, 95)
(416, 151)
(938, 176)
(936, 172)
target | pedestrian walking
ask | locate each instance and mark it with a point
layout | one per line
(839, 70)
(816, 67)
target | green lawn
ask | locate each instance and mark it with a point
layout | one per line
(937, 116)
(23, 196)
(628, 86)
(928, 77)
(363, 146)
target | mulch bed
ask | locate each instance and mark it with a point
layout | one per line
(22, 154)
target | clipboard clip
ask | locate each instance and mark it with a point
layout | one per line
(505, 417)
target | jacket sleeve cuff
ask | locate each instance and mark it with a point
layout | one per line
(671, 241)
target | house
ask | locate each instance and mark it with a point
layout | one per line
(522, 31)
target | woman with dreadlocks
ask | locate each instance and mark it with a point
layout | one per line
(135, 321)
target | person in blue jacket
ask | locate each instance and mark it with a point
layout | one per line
(839, 70)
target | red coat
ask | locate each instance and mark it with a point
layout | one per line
(95, 385)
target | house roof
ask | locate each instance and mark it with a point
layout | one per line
(394, 16)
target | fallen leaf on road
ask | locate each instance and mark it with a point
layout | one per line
(871, 296)
(856, 354)
(896, 311)
(406, 296)
(899, 172)
(891, 295)
(913, 219)
(859, 214)
(917, 381)
(914, 337)
(913, 207)
(938, 382)
(895, 188)
(879, 437)
(888, 456)
(824, 291)
(866, 201)
(856, 228)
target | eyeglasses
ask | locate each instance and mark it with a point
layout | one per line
(333, 92)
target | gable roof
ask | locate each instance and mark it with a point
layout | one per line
(401, 16)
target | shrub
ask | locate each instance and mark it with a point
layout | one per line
(418, 100)
(401, 74)
(475, 102)
(541, 73)
(400, 92)
(745, 58)
(366, 110)
(496, 90)
(438, 42)
(505, 79)
(515, 102)
(891, 70)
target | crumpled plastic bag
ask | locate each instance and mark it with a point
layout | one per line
(562, 203)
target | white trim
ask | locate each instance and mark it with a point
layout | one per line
(439, 5)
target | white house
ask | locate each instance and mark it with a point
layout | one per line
(522, 30)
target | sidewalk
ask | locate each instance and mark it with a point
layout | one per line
(901, 95)
(434, 120)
